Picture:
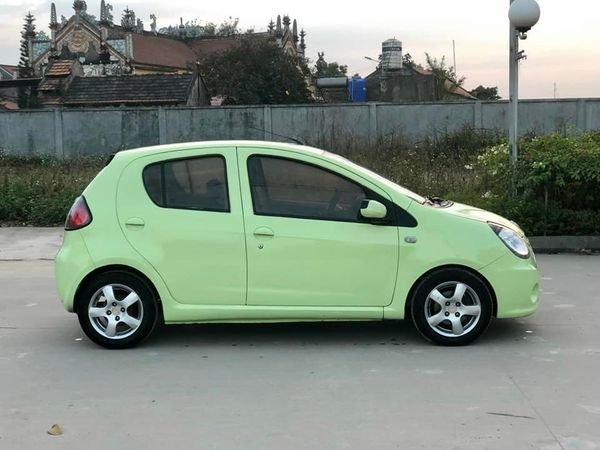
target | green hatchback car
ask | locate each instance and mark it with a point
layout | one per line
(250, 231)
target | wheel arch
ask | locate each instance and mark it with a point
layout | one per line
(116, 268)
(411, 292)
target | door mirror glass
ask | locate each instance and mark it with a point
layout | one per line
(372, 209)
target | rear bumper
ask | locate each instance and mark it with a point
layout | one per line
(71, 265)
(516, 284)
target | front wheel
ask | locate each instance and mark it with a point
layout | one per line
(117, 310)
(451, 307)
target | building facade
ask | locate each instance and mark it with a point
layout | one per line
(87, 46)
(104, 47)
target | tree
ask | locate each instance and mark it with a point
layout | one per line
(446, 78)
(256, 71)
(229, 27)
(194, 28)
(25, 67)
(42, 36)
(486, 93)
(323, 69)
(407, 60)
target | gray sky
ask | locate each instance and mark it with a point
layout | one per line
(563, 48)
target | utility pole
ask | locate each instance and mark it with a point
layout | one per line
(513, 96)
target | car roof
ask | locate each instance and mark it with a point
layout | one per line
(156, 149)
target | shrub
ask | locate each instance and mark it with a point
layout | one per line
(40, 190)
(553, 190)
(554, 187)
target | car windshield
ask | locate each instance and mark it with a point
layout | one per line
(402, 190)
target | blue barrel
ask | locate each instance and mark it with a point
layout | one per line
(357, 89)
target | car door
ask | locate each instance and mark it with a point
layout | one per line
(182, 212)
(306, 244)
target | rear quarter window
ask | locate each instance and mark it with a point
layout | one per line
(198, 183)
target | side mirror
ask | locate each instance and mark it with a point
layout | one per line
(372, 209)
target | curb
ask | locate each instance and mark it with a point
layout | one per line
(562, 244)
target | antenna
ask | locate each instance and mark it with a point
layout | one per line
(294, 140)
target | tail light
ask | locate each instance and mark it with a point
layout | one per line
(79, 215)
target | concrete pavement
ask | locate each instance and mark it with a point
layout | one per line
(29, 243)
(530, 383)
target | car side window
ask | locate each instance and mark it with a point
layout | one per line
(291, 188)
(198, 183)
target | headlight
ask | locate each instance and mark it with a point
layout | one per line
(512, 240)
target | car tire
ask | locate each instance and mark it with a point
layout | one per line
(117, 310)
(451, 307)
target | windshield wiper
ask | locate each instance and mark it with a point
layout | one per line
(439, 202)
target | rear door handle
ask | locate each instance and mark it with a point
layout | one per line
(264, 231)
(135, 222)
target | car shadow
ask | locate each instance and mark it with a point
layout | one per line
(393, 333)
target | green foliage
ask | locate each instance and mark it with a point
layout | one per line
(486, 93)
(407, 60)
(40, 190)
(255, 72)
(556, 181)
(323, 69)
(553, 189)
(446, 79)
(26, 99)
(42, 36)
(441, 163)
(194, 28)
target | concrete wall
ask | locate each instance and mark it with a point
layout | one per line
(101, 131)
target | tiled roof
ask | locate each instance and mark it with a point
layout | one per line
(60, 68)
(8, 71)
(50, 84)
(458, 90)
(130, 89)
(9, 68)
(450, 86)
(163, 52)
(6, 103)
(205, 47)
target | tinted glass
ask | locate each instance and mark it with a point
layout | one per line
(284, 187)
(193, 183)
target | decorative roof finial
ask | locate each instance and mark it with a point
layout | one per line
(286, 22)
(271, 26)
(109, 16)
(128, 19)
(295, 30)
(102, 11)
(302, 42)
(80, 6)
(181, 28)
(153, 23)
(53, 21)
(278, 28)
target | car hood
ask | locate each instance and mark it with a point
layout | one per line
(473, 213)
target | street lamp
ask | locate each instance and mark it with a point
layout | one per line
(523, 15)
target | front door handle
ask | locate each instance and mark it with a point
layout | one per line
(264, 231)
(135, 222)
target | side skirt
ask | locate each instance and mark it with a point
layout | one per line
(243, 313)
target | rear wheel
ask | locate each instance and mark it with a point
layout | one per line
(452, 307)
(117, 310)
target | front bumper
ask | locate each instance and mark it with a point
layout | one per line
(72, 264)
(516, 284)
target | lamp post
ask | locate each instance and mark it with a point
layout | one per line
(523, 15)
